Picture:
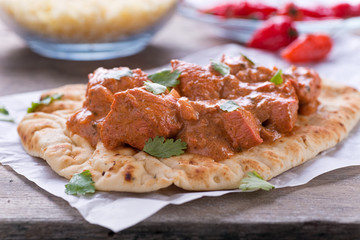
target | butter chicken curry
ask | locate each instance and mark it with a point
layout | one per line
(120, 110)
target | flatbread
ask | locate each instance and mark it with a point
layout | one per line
(44, 134)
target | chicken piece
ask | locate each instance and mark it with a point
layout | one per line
(96, 106)
(110, 79)
(99, 100)
(274, 112)
(102, 85)
(246, 71)
(187, 111)
(254, 75)
(307, 84)
(85, 125)
(273, 105)
(283, 114)
(196, 82)
(242, 128)
(234, 88)
(215, 133)
(236, 64)
(137, 115)
(204, 133)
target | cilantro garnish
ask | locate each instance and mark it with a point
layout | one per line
(277, 78)
(45, 101)
(155, 88)
(247, 59)
(4, 115)
(220, 67)
(80, 184)
(118, 74)
(253, 181)
(166, 78)
(159, 147)
(229, 106)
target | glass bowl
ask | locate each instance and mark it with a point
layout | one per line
(241, 30)
(86, 29)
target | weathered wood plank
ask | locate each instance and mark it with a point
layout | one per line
(284, 231)
(325, 208)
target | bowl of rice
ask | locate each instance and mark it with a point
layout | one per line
(86, 29)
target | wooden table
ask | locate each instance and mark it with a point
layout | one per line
(326, 208)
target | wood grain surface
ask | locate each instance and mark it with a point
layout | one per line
(326, 208)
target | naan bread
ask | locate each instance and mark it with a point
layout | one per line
(44, 134)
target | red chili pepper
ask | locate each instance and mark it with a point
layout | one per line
(224, 10)
(291, 10)
(253, 10)
(250, 10)
(342, 10)
(275, 33)
(355, 10)
(307, 48)
(242, 10)
(316, 12)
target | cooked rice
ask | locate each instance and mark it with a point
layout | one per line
(86, 20)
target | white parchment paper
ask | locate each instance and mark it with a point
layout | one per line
(118, 211)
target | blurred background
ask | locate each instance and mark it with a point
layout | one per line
(48, 43)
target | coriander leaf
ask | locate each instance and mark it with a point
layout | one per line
(4, 111)
(4, 115)
(45, 101)
(159, 147)
(229, 106)
(154, 87)
(118, 74)
(166, 78)
(253, 181)
(80, 184)
(277, 78)
(247, 59)
(221, 68)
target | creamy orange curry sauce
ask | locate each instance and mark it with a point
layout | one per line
(122, 112)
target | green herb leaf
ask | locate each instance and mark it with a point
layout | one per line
(80, 184)
(221, 68)
(247, 59)
(4, 115)
(166, 78)
(253, 181)
(4, 111)
(154, 87)
(277, 78)
(159, 147)
(229, 106)
(118, 74)
(45, 101)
